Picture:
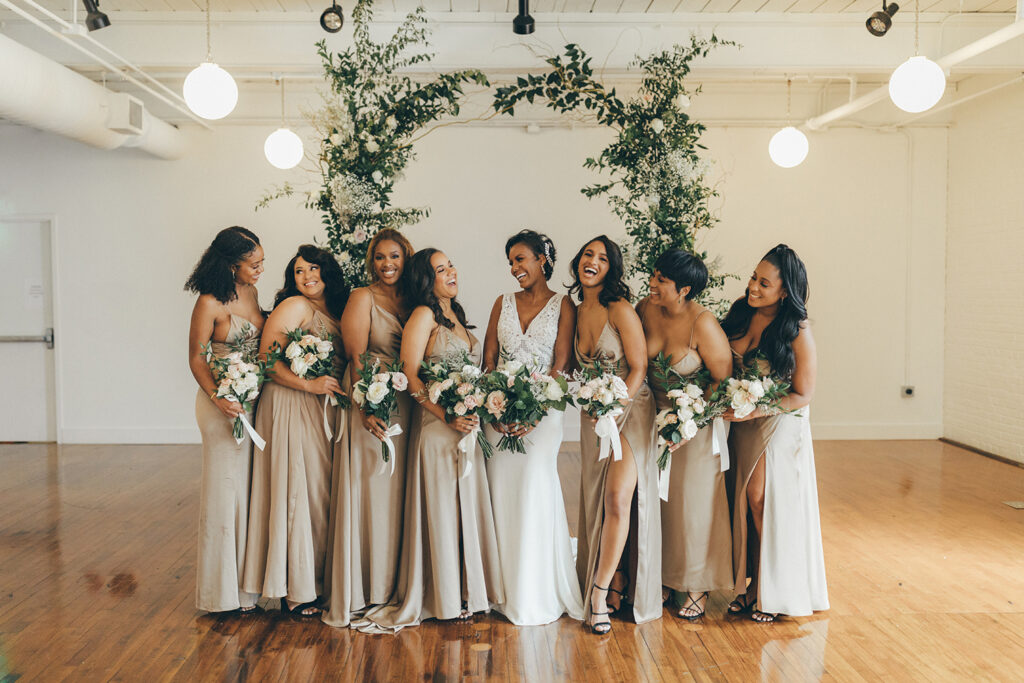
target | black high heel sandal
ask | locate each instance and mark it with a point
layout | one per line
(694, 606)
(600, 627)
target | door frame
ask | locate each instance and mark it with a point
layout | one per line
(51, 220)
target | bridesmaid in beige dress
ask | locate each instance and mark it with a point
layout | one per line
(776, 486)
(695, 531)
(227, 315)
(366, 506)
(614, 492)
(291, 478)
(449, 567)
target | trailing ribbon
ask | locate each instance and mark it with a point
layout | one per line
(608, 431)
(329, 398)
(663, 479)
(720, 441)
(466, 446)
(257, 440)
(393, 430)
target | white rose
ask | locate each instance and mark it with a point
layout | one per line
(234, 357)
(684, 401)
(308, 340)
(699, 406)
(376, 392)
(553, 392)
(685, 414)
(586, 392)
(756, 389)
(460, 408)
(382, 377)
(675, 393)
(605, 396)
(619, 387)
(470, 371)
(372, 147)
(693, 391)
(324, 347)
(435, 392)
(234, 372)
(293, 351)
(689, 429)
(682, 101)
(378, 177)
(357, 395)
(512, 367)
(300, 367)
(399, 381)
(744, 410)
(436, 368)
(657, 125)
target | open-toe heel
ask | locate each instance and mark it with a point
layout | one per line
(692, 610)
(741, 604)
(604, 626)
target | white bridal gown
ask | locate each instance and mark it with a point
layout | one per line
(536, 556)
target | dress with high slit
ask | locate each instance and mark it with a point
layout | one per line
(526, 494)
(367, 504)
(643, 548)
(449, 555)
(696, 538)
(792, 561)
(291, 489)
(224, 491)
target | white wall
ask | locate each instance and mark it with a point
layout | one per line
(984, 362)
(130, 227)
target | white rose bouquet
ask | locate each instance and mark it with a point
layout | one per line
(749, 390)
(239, 379)
(604, 396)
(457, 389)
(517, 396)
(376, 394)
(309, 357)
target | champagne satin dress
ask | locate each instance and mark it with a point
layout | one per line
(792, 563)
(449, 551)
(291, 490)
(643, 548)
(366, 507)
(224, 492)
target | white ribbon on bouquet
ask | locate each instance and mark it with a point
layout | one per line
(720, 441)
(330, 398)
(466, 446)
(663, 479)
(257, 440)
(393, 430)
(608, 432)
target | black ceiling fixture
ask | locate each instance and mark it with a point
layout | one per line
(332, 19)
(879, 23)
(95, 19)
(523, 24)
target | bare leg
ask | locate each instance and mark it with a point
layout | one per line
(755, 501)
(618, 498)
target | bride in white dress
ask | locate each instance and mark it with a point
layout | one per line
(534, 326)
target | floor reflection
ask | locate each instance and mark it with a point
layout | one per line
(798, 655)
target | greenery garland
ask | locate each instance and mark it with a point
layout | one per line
(658, 184)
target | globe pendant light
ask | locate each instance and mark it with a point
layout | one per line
(918, 83)
(283, 148)
(788, 147)
(210, 91)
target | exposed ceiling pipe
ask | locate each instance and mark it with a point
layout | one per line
(974, 49)
(39, 92)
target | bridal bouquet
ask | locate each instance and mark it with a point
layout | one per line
(239, 379)
(309, 357)
(515, 395)
(457, 389)
(749, 391)
(376, 394)
(603, 395)
(689, 411)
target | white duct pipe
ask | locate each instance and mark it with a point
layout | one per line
(974, 49)
(43, 94)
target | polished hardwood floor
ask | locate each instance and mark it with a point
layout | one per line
(925, 568)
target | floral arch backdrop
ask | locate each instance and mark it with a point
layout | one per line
(372, 116)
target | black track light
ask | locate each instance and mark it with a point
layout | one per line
(332, 19)
(95, 19)
(523, 24)
(879, 23)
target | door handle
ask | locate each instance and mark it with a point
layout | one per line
(46, 338)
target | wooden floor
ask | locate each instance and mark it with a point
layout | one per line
(97, 571)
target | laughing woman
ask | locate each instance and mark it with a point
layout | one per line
(291, 478)
(227, 316)
(614, 492)
(696, 539)
(776, 487)
(366, 506)
(449, 565)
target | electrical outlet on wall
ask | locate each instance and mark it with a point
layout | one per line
(907, 391)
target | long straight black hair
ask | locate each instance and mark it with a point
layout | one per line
(777, 339)
(335, 289)
(419, 277)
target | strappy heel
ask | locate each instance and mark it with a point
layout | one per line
(698, 606)
(600, 627)
(620, 593)
(763, 617)
(741, 604)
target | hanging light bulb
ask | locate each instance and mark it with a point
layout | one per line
(918, 83)
(789, 146)
(210, 91)
(283, 148)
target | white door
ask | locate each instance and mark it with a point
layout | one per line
(27, 394)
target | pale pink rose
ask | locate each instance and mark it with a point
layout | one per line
(460, 408)
(309, 358)
(382, 377)
(671, 419)
(495, 403)
(399, 381)
(472, 402)
(464, 389)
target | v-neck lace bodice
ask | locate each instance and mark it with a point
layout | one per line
(534, 347)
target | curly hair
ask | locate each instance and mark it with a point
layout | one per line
(419, 289)
(776, 343)
(614, 287)
(336, 290)
(539, 244)
(213, 274)
(382, 235)
(684, 269)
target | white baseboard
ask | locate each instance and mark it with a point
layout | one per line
(114, 435)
